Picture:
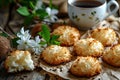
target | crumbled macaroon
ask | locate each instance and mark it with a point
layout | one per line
(19, 61)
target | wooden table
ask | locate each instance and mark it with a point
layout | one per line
(37, 74)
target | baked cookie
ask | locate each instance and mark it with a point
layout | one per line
(85, 67)
(68, 35)
(56, 55)
(112, 56)
(88, 47)
(19, 61)
(106, 36)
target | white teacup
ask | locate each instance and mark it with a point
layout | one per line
(88, 13)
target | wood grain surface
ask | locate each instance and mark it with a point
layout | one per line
(37, 74)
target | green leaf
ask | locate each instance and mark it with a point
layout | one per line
(14, 42)
(31, 5)
(23, 11)
(43, 43)
(54, 40)
(50, 4)
(3, 34)
(41, 13)
(50, 40)
(28, 20)
(54, 37)
(56, 43)
(27, 2)
(45, 33)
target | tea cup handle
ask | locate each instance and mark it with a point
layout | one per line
(110, 3)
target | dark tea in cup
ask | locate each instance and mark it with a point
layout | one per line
(87, 4)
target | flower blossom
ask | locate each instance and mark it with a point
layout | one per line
(26, 43)
(36, 47)
(38, 5)
(51, 15)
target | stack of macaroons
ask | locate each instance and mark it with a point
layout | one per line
(56, 55)
(93, 47)
(86, 50)
(82, 66)
(87, 64)
(108, 37)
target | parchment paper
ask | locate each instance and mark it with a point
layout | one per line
(108, 72)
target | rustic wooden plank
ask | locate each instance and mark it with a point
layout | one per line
(119, 8)
(37, 74)
(3, 16)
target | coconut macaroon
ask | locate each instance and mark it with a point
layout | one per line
(68, 35)
(56, 55)
(85, 67)
(19, 61)
(112, 56)
(88, 47)
(106, 36)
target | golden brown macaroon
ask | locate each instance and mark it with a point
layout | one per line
(56, 55)
(112, 56)
(106, 36)
(68, 35)
(88, 47)
(85, 67)
(19, 61)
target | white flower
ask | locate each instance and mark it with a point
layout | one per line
(26, 43)
(38, 5)
(51, 15)
(35, 45)
(24, 34)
